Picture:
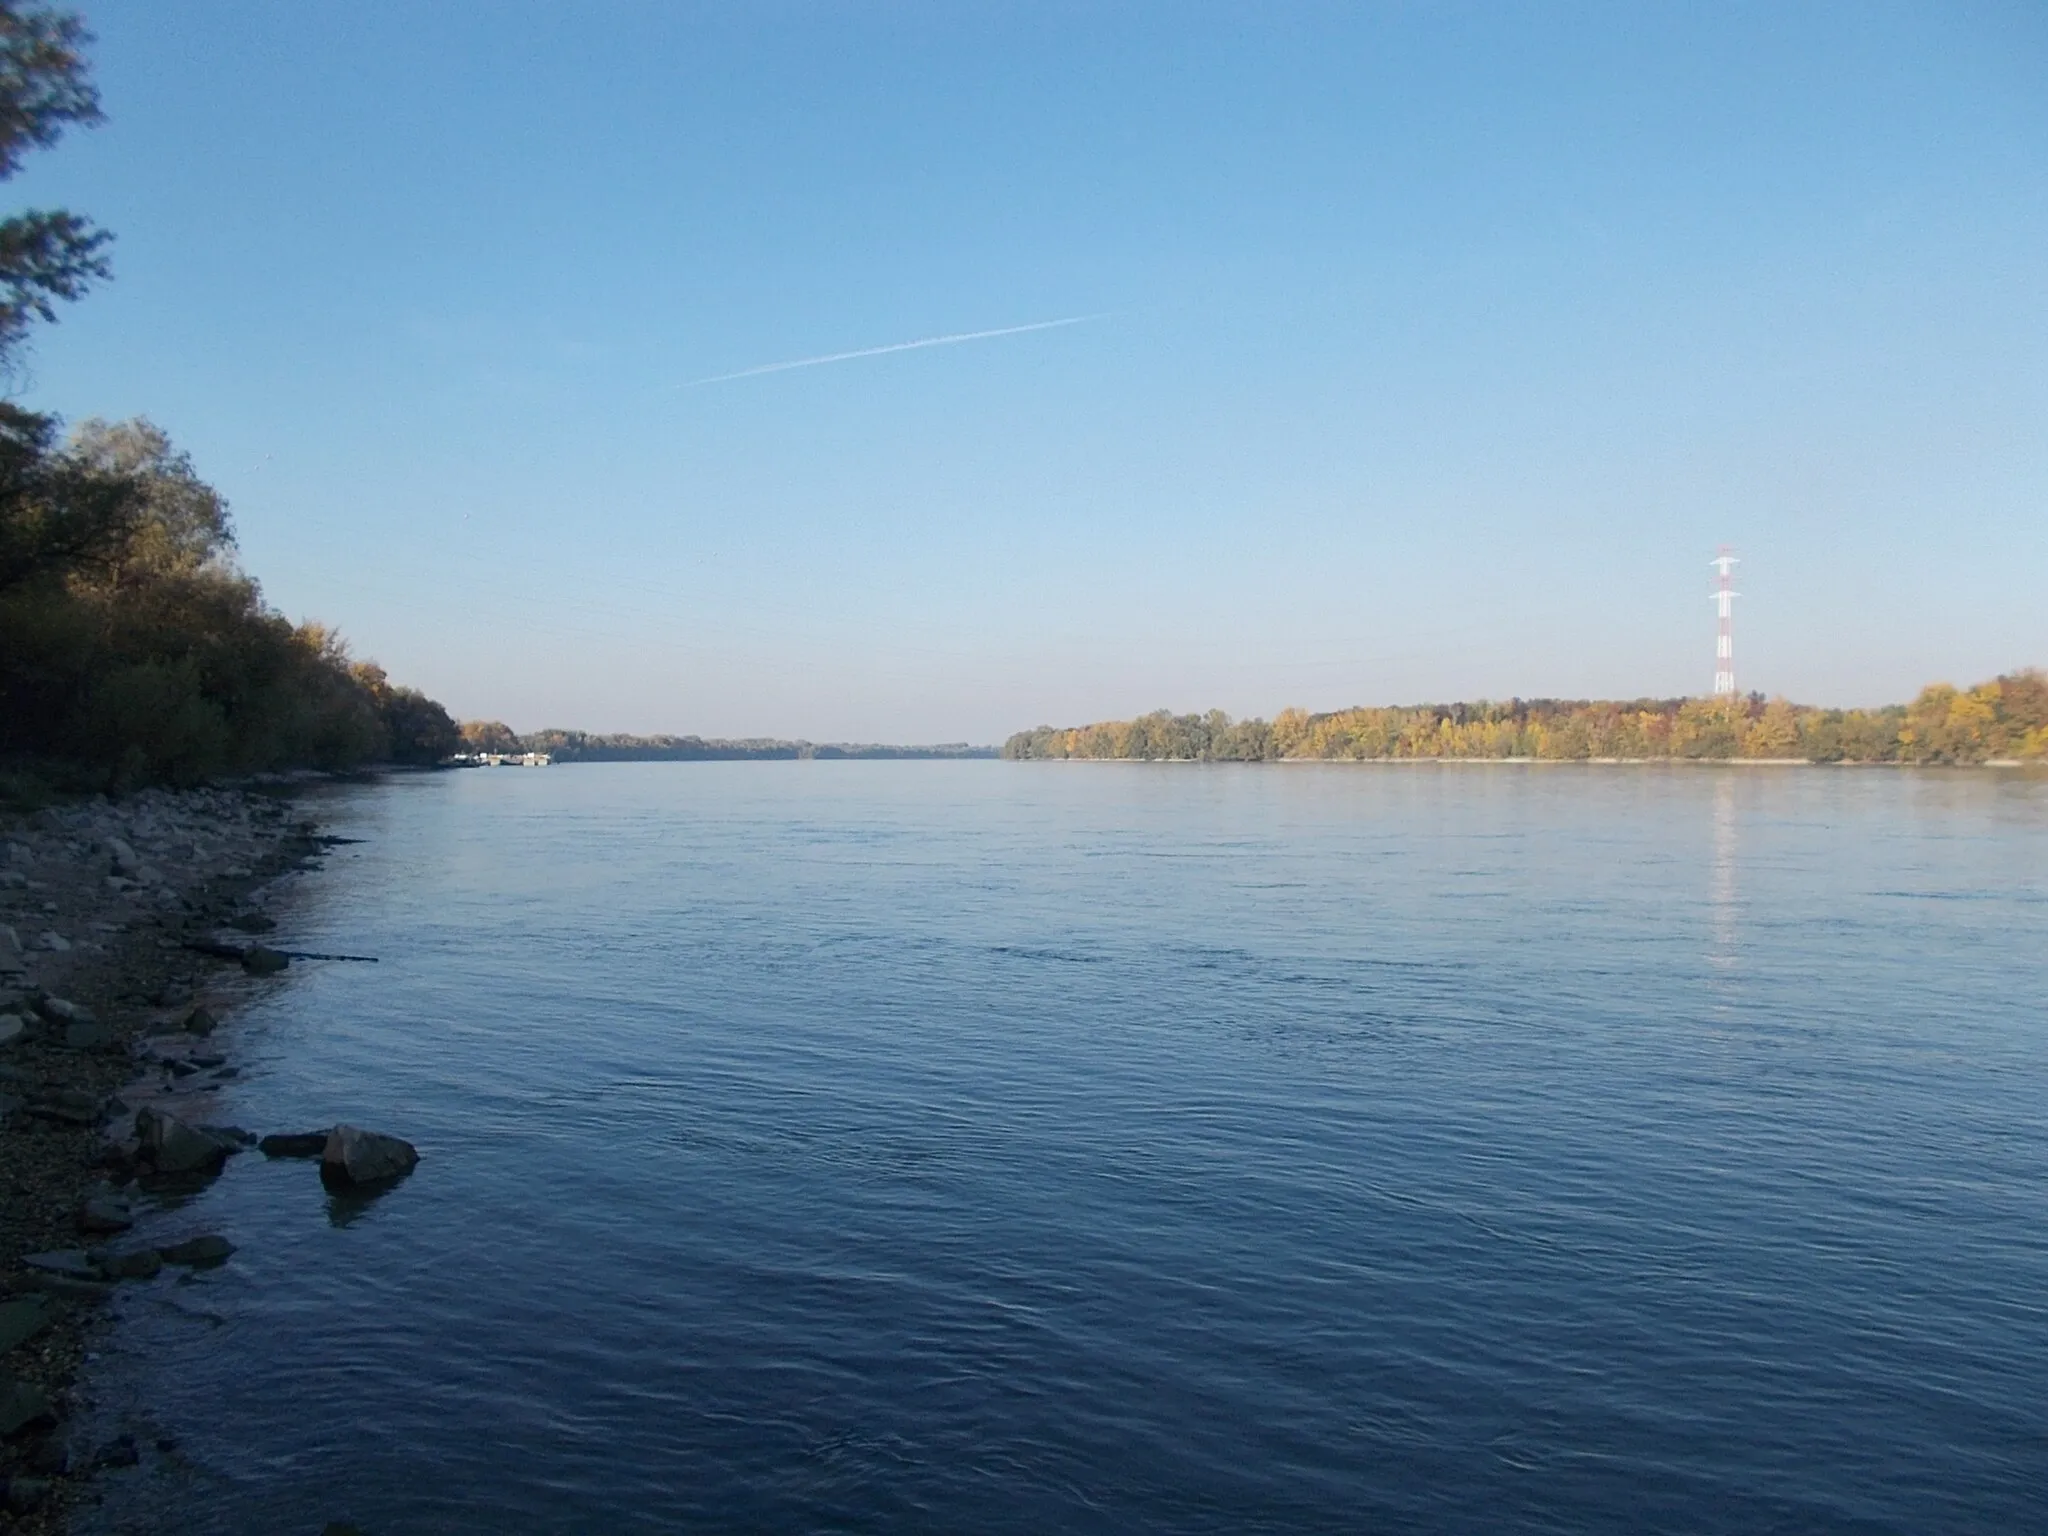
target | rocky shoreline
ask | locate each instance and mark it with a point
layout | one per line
(127, 931)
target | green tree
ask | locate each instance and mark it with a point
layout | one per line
(46, 255)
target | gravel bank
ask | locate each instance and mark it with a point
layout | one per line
(127, 929)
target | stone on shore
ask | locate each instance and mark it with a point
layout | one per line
(198, 1252)
(70, 1263)
(355, 1157)
(21, 1320)
(105, 1213)
(200, 1022)
(12, 1028)
(172, 1146)
(22, 1404)
(294, 1144)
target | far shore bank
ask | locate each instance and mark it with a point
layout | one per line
(2036, 766)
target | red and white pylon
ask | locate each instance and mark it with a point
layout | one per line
(1724, 600)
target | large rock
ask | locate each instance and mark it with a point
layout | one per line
(12, 1029)
(125, 861)
(355, 1157)
(172, 1146)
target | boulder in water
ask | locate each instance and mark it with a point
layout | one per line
(354, 1157)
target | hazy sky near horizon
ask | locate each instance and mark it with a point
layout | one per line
(1421, 350)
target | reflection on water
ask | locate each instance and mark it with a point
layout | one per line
(1722, 900)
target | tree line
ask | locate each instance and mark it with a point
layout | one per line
(588, 747)
(133, 647)
(2003, 719)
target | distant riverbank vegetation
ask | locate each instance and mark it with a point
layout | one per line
(2004, 719)
(585, 747)
(133, 647)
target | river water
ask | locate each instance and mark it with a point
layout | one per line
(1031, 1147)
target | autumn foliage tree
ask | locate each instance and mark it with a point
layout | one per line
(2004, 718)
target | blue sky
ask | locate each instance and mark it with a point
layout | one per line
(1436, 346)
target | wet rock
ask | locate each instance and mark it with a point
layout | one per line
(198, 1252)
(169, 1145)
(55, 942)
(125, 860)
(252, 922)
(200, 1022)
(354, 1157)
(231, 1133)
(23, 1405)
(121, 1451)
(262, 960)
(21, 1320)
(294, 1144)
(12, 1029)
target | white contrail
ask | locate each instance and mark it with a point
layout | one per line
(899, 346)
